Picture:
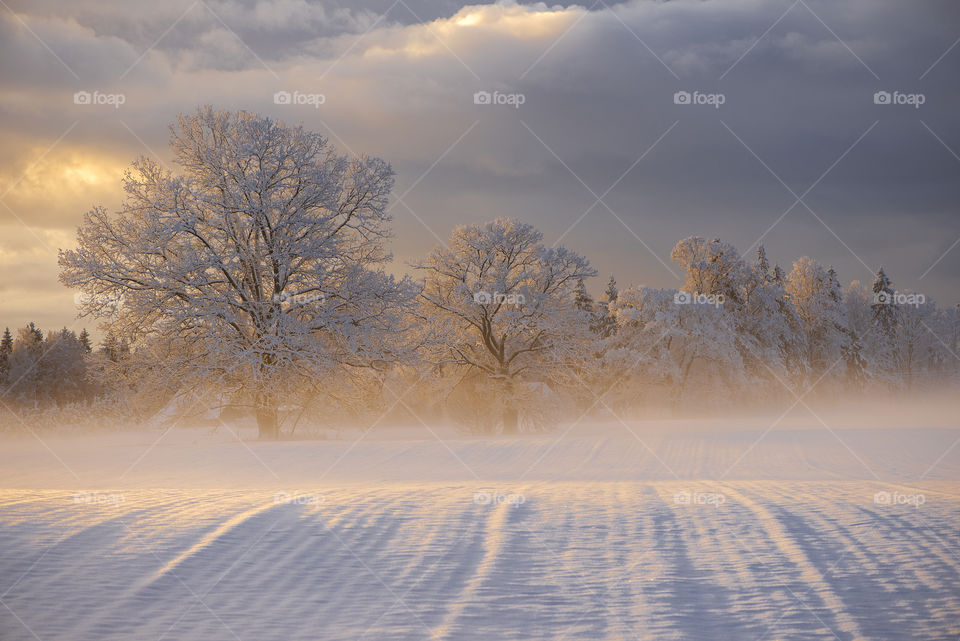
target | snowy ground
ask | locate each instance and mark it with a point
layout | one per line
(660, 530)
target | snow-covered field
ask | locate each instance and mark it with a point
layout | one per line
(657, 530)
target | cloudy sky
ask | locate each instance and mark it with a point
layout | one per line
(777, 137)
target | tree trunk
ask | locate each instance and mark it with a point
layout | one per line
(510, 416)
(267, 422)
(511, 420)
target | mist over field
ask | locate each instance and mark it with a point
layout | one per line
(430, 320)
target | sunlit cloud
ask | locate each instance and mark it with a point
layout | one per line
(598, 89)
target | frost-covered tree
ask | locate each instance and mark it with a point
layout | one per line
(84, 339)
(884, 304)
(582, 299)
(40, 371)
(815, 295)
(611, 292)
(762, 266)
(63, 368)
(711, 268)
(685, 349)
(769, 326)
(779, 276)
(498, 303)
(114, 349)
(6, 348)
(858, 354)
(858, 300)
(916, 347)
(24, 383)
(261, 259)
(605, 324)
(886, 319)
(855, 365)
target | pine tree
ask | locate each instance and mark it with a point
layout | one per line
(63, 369)
(835, 289)
(886, 319)
(35, 333)
(955, 328)
(110, 347)
(23, 375)
(582, 299)
(778, 275)
(884, 304)
(6, 348)
(85, 341)
(763, 265)
(611, 292)
(606, 324)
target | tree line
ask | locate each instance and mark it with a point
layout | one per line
(258, 272)
(56, 368)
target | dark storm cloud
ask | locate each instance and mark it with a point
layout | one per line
(598, 90)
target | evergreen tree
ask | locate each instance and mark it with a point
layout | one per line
(85, 341)
(611, 293)
(606, 324)
(763, 265)
(779, 277)
(884, 304)
(34, 332)
(886, 319)
(63, 373)
(6, 348)
(23, 376)
(767, 325)
(955, 329)
(582, 299)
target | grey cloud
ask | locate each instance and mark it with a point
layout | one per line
(799, 98)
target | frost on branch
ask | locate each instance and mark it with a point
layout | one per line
(502, 309)
(261, 258)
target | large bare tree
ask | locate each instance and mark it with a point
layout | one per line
(501, 304)
(261, 258)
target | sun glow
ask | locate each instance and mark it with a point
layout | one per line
(474, 26)
(86, 174)
(469, 19)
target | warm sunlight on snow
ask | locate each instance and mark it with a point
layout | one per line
(406, 320)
